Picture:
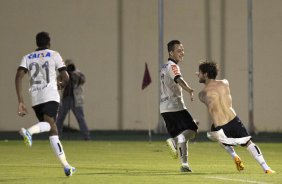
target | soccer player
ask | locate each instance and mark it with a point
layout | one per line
(227, 127)
(41, 66)
(179, 123)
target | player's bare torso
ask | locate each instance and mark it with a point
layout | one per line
(216, 96)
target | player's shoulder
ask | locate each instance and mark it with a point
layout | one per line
(172, 65)
(53, 52)
(167, 64)
(55, 55)
(223, 81)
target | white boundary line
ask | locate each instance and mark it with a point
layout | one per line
(229, 179)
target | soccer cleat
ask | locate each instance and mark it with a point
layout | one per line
(27, 137)
(172, 147)
(270, 171)
(69, 170)
(185, 169)
(239, 164)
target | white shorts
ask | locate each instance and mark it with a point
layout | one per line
(221, 137)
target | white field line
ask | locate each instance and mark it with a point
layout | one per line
(31, 165)
(239, 180)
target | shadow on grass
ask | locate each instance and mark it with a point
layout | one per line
(140, 172)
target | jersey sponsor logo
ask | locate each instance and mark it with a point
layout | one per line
(175, 70)
(38, 55)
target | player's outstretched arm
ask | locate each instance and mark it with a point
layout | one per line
(186, 87)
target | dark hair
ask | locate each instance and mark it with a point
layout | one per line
(170, 45)
(42, 39)
(210, 68)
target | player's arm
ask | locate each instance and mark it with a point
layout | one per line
(202, 96)
(63, 79)
(18, 83)
(184, 85)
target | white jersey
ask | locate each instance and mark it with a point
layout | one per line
(42, 66)
(171, 92)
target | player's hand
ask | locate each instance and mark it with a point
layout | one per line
(192, 94)
(22, 109)
(60, 85)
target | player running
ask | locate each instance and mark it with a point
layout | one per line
(179, 123)
(41, 66)
(227, 128)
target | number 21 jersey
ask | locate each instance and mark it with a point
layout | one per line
(42, 66)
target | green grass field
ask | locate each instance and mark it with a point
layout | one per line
(128, 162)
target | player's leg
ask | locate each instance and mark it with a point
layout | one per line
(50, 113)
(229, 149)
(183, 153)
(79, 115)
(187, 123)
(189, 134)
(35, 129)
(257, 154)
(172, 144)
(237, 160)
(41, 126)
(170, 123)
(57, 146)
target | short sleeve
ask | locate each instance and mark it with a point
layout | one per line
(59, 61)
(174, 71)
(24, 63)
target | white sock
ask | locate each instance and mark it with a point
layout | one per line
(58, 149)
(39, 128)
(183, 149)
(185, 164)
(256, 153)
(229, 150)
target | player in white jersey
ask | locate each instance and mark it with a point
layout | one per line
(179, 123)
(42, 66)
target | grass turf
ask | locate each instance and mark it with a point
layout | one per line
(128, 162)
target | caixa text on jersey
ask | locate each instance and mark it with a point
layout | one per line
(38, 55)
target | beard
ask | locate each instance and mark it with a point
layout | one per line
(202, 80)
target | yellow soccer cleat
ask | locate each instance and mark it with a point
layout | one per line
(270, 171)
(27, 137)
(239, 164)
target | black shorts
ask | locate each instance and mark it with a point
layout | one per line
(233, 129)
(179, 121)
(48, 108)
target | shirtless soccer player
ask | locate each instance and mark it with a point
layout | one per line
(227, 128)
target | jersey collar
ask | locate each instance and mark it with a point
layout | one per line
(170, 59)
(41, 48)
